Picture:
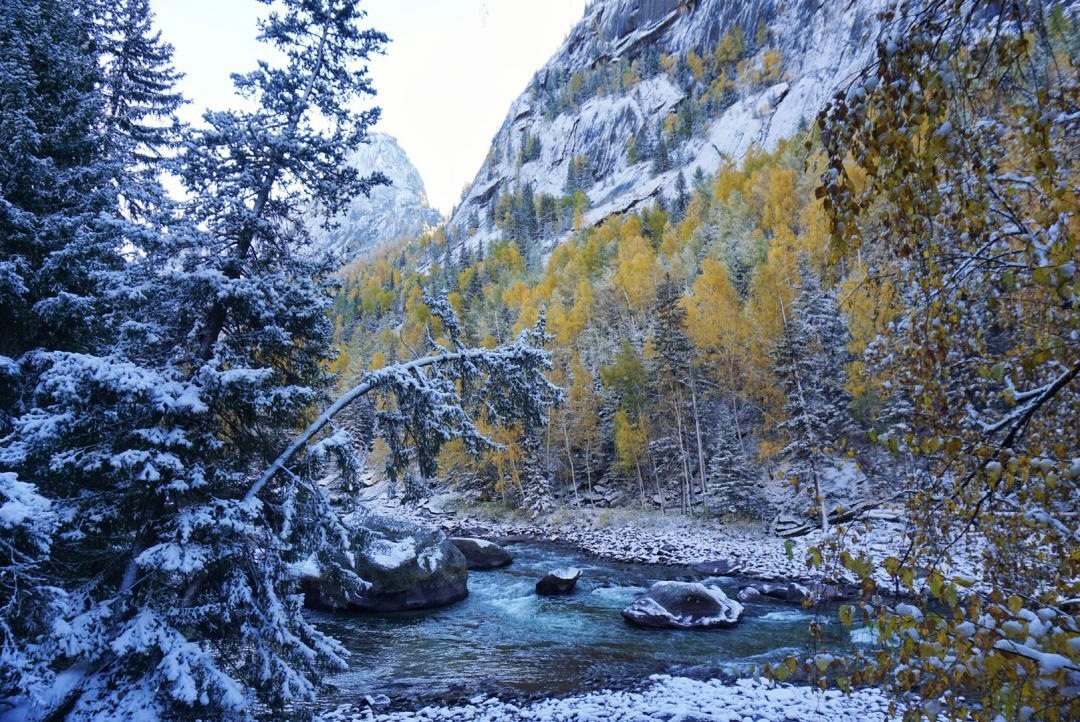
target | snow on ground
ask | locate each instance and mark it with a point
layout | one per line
(673, 699)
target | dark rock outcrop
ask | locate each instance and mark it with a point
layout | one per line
(404, 566)
(684, 605)
(482, 554)
(558, 581)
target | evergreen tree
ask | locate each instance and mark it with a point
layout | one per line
(809, 360)
(701, 184)
(674, 368)
(56, 180)
(527, 214)
(139, 89)
(661, 160)
(475, 287)
(214, 351)
(58, 260)
(729, 472)
(548, 215)
(465, 258)
(535, 479)
(682, 197)
(642, 145)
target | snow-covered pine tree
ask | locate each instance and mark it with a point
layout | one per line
(535, 479)
(809, 360)
(682, 196)
(169, 562)
(160, 433)
(55, 262)
(54, 178)
(27, 526)
(675, 371)
(140, 96)
(729, 472)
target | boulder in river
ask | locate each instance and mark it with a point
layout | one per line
(684, 605)
(749, 594)
(784, 591)
(403, 565)
(482, 554)
(558, 581)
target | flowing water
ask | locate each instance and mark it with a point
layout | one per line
(503, 636)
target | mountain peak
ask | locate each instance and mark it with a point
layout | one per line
(400, 208)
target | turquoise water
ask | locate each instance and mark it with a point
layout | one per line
(503, 636)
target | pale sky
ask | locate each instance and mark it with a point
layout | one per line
(450, 72)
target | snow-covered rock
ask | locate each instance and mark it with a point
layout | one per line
(558, 581)
(684, 605)
(748, 594)
(405, 565)
(399, 208)
(482, 554)
(786, 592)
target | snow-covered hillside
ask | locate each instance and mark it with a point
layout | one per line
(398, 209)
(820, 45)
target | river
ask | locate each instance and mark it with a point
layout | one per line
(503, 637)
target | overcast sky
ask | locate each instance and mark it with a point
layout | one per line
(447, 79)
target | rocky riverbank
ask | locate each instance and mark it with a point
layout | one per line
(662, 697)
(674, 541)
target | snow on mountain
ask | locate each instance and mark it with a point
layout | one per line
(398, 209)
(823, 43)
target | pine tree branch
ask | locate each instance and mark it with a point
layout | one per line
(372, 381)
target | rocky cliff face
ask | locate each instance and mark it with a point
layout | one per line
(398, 209)
(796, 53)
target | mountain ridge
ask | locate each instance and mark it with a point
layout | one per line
(820, 46)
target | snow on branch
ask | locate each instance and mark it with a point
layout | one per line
(512, 387)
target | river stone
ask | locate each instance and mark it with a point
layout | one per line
(482, 554)
(748, 594)
(784, 591)
(684, 605)
(408, 566)
(831, 591)
(719, 568)
(558, 581)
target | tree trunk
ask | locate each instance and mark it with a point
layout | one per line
(656, 477)
(588, 470)
(697, 435)
(686, 501)
(570, 460)
(641, 483)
